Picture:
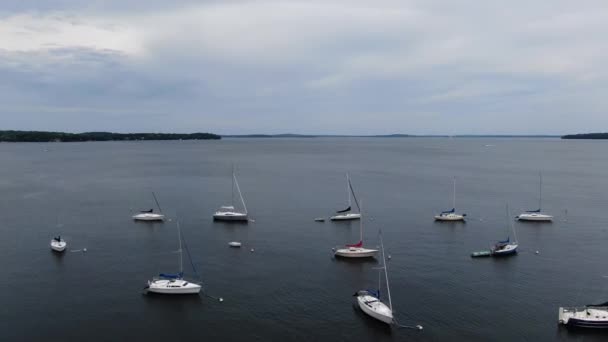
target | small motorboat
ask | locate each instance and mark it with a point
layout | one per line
(320, 219)
(590, 316)
(58, 244)
(234, 244)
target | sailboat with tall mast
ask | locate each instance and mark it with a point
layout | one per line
(506, 247)
(174, 283)
(369, 300)
(150, 215)
(229, 212)
(536, 215)
(356, 250)
(348, 214)
(451, 215)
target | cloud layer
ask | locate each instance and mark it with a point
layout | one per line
(347, 67)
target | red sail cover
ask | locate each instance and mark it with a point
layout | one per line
(358, 245)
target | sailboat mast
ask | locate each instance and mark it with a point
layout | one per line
(348, 189)
(388, 289)
(239, 191)
(454, 194)
(540, 191)
(232, 192)
(181, 261)
(156, 200)
(361, 222)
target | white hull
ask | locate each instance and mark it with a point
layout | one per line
(229, 216)
(148, 217)
(346, 217)
(506, 250)
(584, 317)
(449, 217)
(356, 252)
(234, 244)
(173, 286)
(535, 217)
(373, 307)
(58, 246)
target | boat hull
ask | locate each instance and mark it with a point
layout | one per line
(535, 217)
(346, 217)
(376, 309)
(222, 216)
(449, 217)
(592, 318)
(508, 250)
(58, 247)
(173, 287)
(355, 252)
(149, 217)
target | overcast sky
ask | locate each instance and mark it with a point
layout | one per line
(326, 66)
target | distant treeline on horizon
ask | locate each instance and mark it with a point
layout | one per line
(586, 136)
(38, 136)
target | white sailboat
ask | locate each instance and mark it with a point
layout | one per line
(536, 215)
(174, 283)
(229, 212)
(451, 215)
(369, 300)
(506, 247)
(150, 215)
(58, 244)
(356, 250)
(347, 214)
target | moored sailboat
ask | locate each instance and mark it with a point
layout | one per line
(356, 250)
(348, 214)
(537, 215)
(150, 215)
(174, 283)
(451, 215)
(229, 212)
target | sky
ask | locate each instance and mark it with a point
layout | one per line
(309, 67)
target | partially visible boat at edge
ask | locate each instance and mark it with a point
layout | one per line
(589, 316)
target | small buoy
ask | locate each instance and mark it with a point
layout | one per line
(389, 257)
(333, 249)
(252, 250)
(537, 252)
(84, 250)
(419, 327)
(221, 299)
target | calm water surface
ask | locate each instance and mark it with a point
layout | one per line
(291, 288)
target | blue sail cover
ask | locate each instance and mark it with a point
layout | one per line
(171, 276)
(533, 211)
(449, 211)
(504, 242)
(375, 293)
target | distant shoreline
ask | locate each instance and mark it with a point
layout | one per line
(586, 136)
(276, 136)
(40, 136)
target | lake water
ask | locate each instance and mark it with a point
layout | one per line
(291, 287)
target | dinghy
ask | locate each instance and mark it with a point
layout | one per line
(234, 244)
(58, 244)
(174, 283)
(229, 212)
(451, 215)
(356, 250)
(347, 214)
(536, 215)
(150, 215)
